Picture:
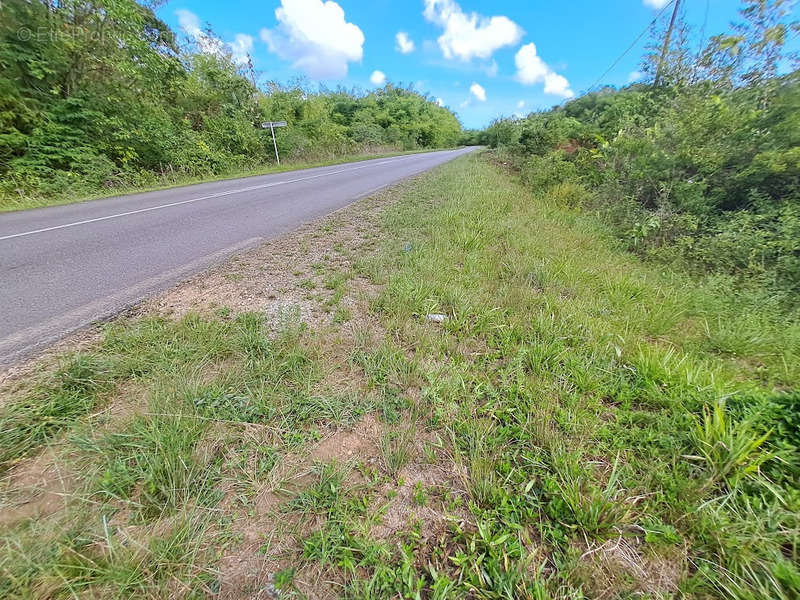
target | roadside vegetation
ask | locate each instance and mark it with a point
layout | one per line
(565, 367)
(701, 172)
(97, 97)
(576, 426)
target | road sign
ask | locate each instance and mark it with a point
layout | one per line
(271, 125)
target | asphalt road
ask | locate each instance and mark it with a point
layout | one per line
(65, 267)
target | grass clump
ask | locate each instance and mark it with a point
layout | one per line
(730, 450)
(71, 392)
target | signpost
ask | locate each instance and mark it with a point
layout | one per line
(271, 125)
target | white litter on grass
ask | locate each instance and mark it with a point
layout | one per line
(436, 317)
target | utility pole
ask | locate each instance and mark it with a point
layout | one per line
(665, 47)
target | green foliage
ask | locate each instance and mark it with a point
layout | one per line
(729, 450)
(704, 170)
(100, 95)
(502, 132)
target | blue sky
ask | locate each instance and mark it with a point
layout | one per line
(482, 59)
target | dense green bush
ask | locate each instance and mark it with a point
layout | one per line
(704, 169)
(99, 94)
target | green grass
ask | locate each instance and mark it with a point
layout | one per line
(596, 387)
(582, 425)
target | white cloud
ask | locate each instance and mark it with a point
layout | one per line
(656, 3)
(405, 44)
(190, 24)
(635, 76)
(531, 69)
(477, 91)
(557, 85)
(439, 102)
(315, 37)
(521, 104)
(239, 49)
(466, 36)
(378, 78)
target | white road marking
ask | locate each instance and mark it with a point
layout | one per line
(217, 195)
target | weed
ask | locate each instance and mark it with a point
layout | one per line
(397, 449)
(729, 450)
(420, 494)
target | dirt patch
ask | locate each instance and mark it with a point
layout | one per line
(269, 541)
(36, 488)
(294, 276)
(414, 501)
(359, 442)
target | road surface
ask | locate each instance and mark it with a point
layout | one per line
(65, 267)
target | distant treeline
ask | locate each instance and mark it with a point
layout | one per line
(702, 169)
(99, 94)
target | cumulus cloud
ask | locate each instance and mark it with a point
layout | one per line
(378, 78)
(439, 102)
(239, 49)
(405, 44)
(656, 3)
(557, 85)
(467, 36)
(531, 69)
(315, 37)
(521, 104)
(477, 91)
(190, 24)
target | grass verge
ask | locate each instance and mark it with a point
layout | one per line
(578, 425)
(171, 180)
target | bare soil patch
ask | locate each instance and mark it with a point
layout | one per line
(37, 487)
(287, 275)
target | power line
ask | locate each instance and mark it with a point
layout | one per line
(629, 48)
